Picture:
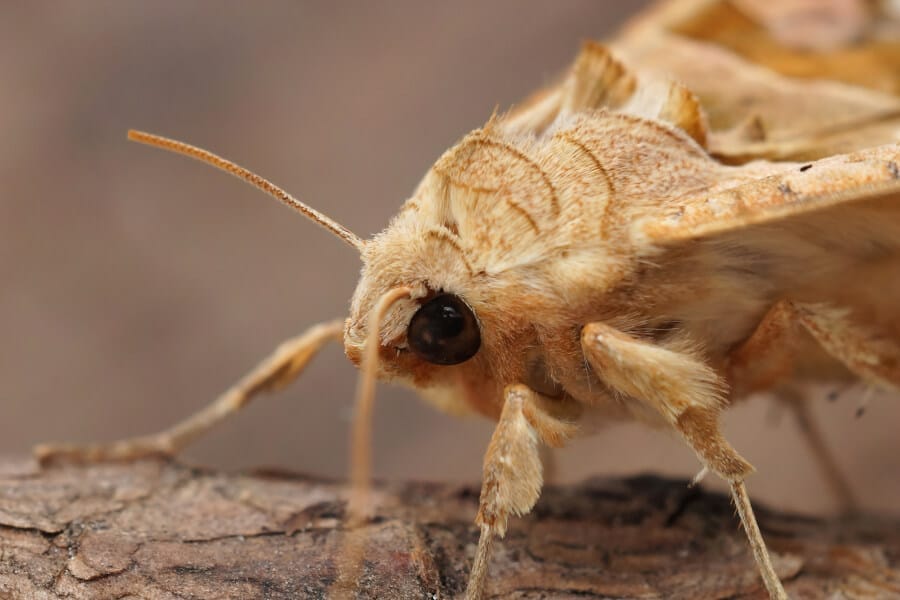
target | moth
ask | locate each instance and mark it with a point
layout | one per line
(620, 246)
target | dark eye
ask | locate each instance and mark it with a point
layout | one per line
(444, 331)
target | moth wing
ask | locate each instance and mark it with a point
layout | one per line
(765, 193)
(778, 80)
(597, 80)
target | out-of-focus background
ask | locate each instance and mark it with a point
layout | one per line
(137, 285)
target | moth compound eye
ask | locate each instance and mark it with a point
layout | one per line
(444, 331)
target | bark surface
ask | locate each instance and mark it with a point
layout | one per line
(161, 530)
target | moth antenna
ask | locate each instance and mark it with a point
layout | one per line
(253, 179)
(361, 440)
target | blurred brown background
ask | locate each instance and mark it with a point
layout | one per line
(137, 285)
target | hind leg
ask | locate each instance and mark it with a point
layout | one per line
(766, 358)
(798, 405)
(276, 371)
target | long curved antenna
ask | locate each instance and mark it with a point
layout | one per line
(253, 179)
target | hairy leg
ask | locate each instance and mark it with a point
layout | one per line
(512, 472)
(512, 480)
(276, 371)
(687, 394)
(766, 357)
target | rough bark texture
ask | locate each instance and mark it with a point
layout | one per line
(162, 530)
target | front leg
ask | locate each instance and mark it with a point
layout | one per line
(512, 472)
(689, 395)
(276, 371)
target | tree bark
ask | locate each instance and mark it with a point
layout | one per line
(162, 530)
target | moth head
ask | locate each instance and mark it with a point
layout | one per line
(430, 328)
(461, 320)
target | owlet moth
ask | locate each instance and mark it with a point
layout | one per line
(647, 242)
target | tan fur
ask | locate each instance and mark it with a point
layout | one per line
(619, 267)
(512, 466)
(607, 216)
(670, 381)
(613, 262)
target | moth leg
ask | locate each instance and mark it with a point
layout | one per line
(512, 472)
(688, 394)
(798, 404)
(765, 357)
(273, 373)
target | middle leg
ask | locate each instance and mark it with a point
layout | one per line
(688, 394)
